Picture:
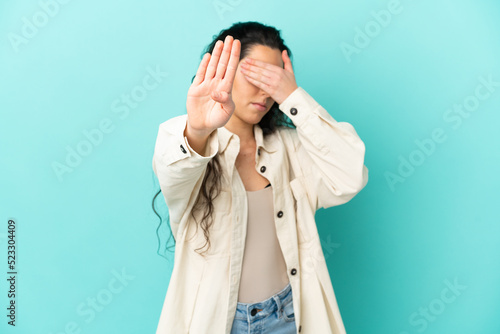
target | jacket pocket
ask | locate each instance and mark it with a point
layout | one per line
(219, 233)
(210, 310)
(306, 225)
(197, 303)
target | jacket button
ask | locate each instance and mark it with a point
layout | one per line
(280, 214)
(183, 149)
(258, 151)
(294, 271)
(263, 169)
(293, 111)
(300, 328)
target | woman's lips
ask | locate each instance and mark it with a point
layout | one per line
(259, 106)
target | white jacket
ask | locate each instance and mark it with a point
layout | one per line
(317, 165)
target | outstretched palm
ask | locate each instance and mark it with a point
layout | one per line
(209, 102)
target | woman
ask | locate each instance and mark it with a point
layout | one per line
(250, 163)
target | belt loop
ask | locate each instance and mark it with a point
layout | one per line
(278, 302)
(248, 314)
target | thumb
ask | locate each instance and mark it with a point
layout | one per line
(220, 96)
(216, 96)
(226, 101)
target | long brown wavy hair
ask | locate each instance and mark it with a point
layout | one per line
(250, 34)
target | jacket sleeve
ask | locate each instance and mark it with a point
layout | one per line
(180, 169)
(330, 153)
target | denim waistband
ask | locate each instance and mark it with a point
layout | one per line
(265, 307)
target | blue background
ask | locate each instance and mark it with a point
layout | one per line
(392, 251)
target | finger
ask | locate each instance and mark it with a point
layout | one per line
(287, 61)
(246, 68)
(214, 59)
(222, 97)
(226, 102)
(254, 63)
(221, 67)
(200, 74)
(216, 96)
(232, 66)
(258, 83)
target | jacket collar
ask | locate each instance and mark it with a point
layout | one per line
(268, 143)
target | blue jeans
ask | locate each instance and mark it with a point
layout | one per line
(273, 315)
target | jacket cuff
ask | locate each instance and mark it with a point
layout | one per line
(297, 106)
(210, 149)
(180, 149)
